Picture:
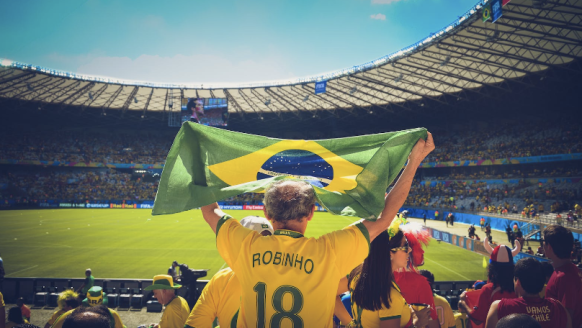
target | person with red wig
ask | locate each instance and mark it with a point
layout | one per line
(413, 286)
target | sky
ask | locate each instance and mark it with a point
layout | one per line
(215, 42)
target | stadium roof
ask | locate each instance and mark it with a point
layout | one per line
(455, 63)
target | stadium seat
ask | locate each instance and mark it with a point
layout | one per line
(124, 298)
(40, 296)
(153, 306)
(136, 298)
(53, 296)
(112, 296)
(453, 301)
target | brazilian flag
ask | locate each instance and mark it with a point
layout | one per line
(349, 175)
(487, 12)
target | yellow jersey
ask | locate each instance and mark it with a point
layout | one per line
(55, 316)
(114, 318)
(219, 299)
(2, 305)
(288, 280)
(371, 319)
(462, 320)
(175, 313)
(444, 311)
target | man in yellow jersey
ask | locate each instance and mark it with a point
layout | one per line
(95, 297)
(221, 296)
(442, 306)
(288, 280)
(176, 308)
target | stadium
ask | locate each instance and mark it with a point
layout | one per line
(81, 156)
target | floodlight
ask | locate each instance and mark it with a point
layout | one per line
(370, 112)
(261, 117)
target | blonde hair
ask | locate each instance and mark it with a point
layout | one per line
(66, 295)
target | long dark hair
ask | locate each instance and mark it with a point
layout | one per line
(374, 276)
(15, 315)
(501, 275)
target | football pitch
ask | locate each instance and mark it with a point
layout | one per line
(131, 243)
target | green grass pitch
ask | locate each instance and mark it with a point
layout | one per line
(130, 243)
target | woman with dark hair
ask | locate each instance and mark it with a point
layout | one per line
(499, 284)
(14, 317)
(376, 300)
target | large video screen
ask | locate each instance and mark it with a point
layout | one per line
(207, 111)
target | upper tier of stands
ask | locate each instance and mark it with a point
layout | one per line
(503, 141)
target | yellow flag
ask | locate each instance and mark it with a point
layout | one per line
(484, 263)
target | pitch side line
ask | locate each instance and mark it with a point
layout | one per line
(32, 267)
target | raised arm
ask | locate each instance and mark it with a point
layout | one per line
(212, 213)
(340, 310)
(398, 194)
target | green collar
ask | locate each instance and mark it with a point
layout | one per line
(173, 298)
(290, 233)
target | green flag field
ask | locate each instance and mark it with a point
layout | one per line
(131, 243)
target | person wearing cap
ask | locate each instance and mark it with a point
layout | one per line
(87, 284)
(565, 284)
(287, 265)
(221, 296)
(95, 297)
(500, 283)
(24, 308)
(176, 308)
(528, 281)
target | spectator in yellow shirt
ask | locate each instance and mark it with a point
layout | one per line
(176, 308)
(221, 296)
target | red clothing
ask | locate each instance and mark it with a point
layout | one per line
(416, 289)
(547, 311)
(489, 294)
(25, 311)
(565, 285)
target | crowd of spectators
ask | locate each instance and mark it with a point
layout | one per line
(507, 140)
(121, 147)
(497, 198)
(492, 172)
(79, 185)
(100, 147)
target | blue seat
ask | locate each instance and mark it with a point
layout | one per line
(112, 296)
(40, 296)
(124, 298)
